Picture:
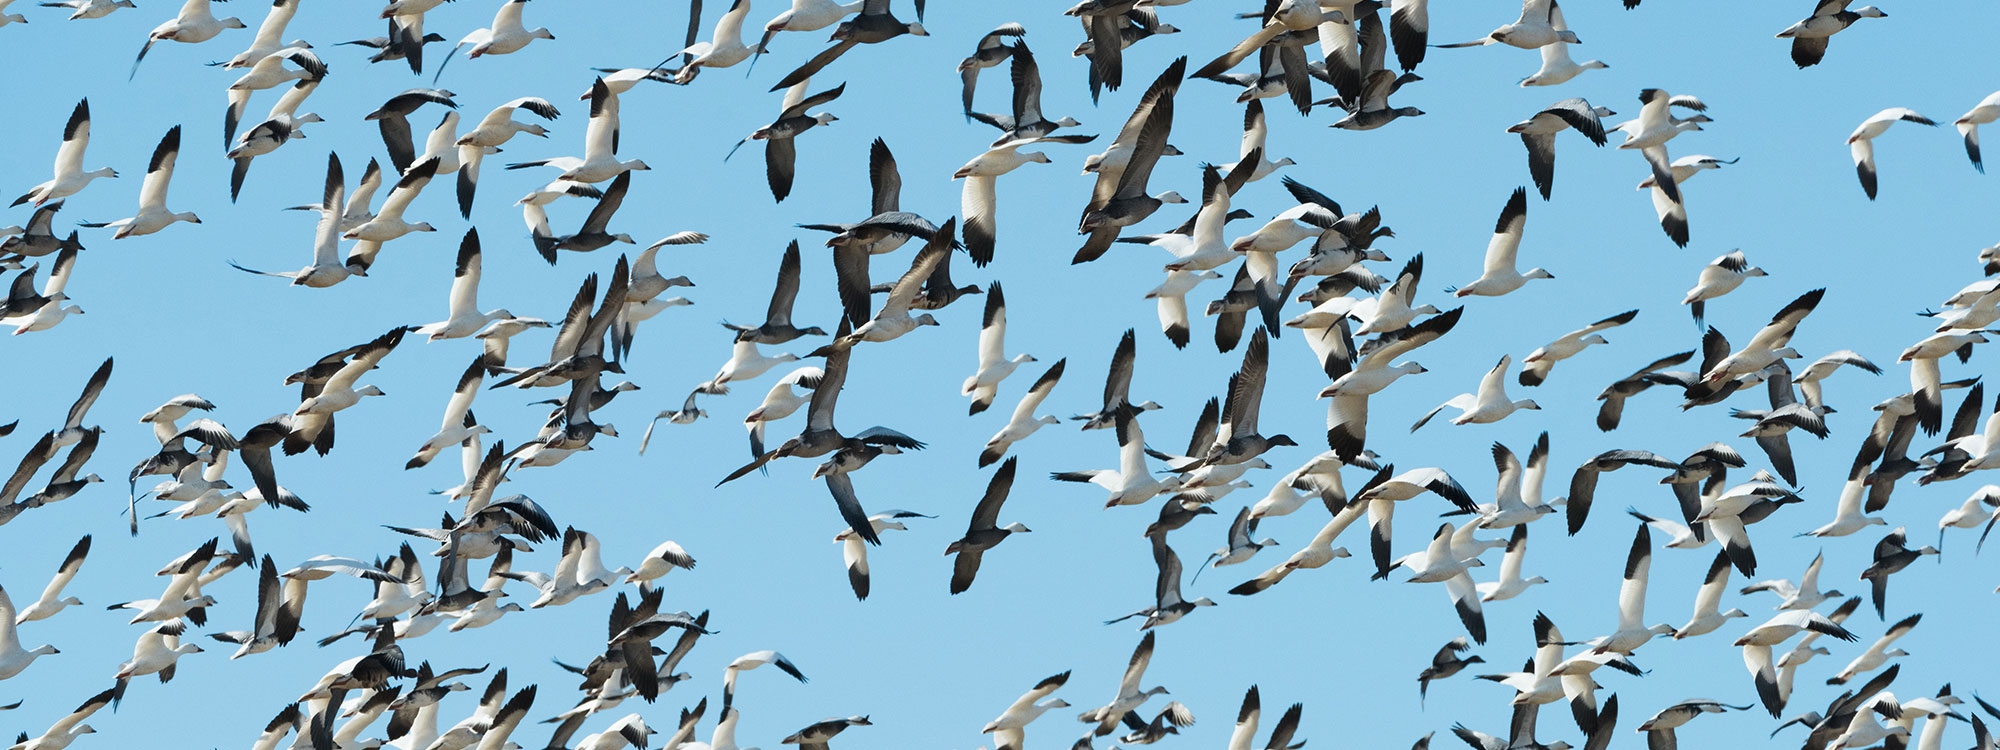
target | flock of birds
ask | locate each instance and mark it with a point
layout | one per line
(1364, 331)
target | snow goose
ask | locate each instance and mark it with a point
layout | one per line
(1537, 685)
(1536, 28)
(992, 50)
(1708, 614)
(579, 572)
(1557, 66)
(746, 362)
(1510, 507)
(60, 734)
(1673, 213)
(69, 174)
(578, 350)
(1446, 663)
(1585, 483)
(388, 223)
(1255, 133)
(1655, 126)
(1986, 112)
(499, 125)
(1981, 505)
(338, 392)
(979, 200)
(600, 144)
(1848, 517)
(1307, 219)
(153, 214)
(1536, 366)
(894, 319)
(38, 238)
(820, 436)
(1008, 729)
(269, 72)
(1388, 488)
(196, 23)
(1445, 562)
(326, 268)
(595, 232)
(816, 735)
(52, 601)
(1891, 556)
(505, 36)
(1809, 37)
(1025, 121)
(1862, 141)
(13, 658)
(875, 24)
(1371, 109)
(752, 661)
(459, 424)
(1721, 276)
(1660, 728)
(1538, 133)
(1130, 483)
(780, 152)
(393, 119)
(1315, 554)
(779, 403)
(854, 551)
(724, 50)
(1768, 346)
(1241, 546)
(1120, 198)
(157, 652)
(1632, 632)
(1023, 422)
(278, 609)
(1809, 380)
(1489, 405)
(659, 562)
(1286, 28)
(1239, 441)
(1129, 697)
(85, 9)
(270, 35)
(983, 532)
(1206, 250)
(1172, 295)
(281, 126)
(1877, 653)
(1510, 583)
(1499, 275)
(809, 15)
(46, 310)
(994, 366)
(464, 318)
(1117, 386)
(1170, 607)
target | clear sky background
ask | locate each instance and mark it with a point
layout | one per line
(931, 668)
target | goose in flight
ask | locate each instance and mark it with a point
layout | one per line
(1809, 37)
(1673, 213)
(1023, 422)
(780, 153)
(724, 50)
(52, 601)
(393, 119)
(1877, 653)
(1708, 613)
(1510, 584)
(507, 35)
(327, 268)
(1489, 405)
(196, 23)
(1767, 347)
(1130, 483)
(1500, 274)
(1891, 557)
(1169, 606)
(994, 365)
(1008, 729)
(85, 9)
(1721, 276)
(992, 50)
(60, 734)
(388, 224)
(463, 317)
(281, 126)
(1986, 112)
(984, 532)
(1862, 141)
(1538, 133)
(875, 24)
(1632, 631)
(13, 658)
(1557, 66)
(1537, 27)
(600, 160)
(1129, 697)
(1120, 199)
(1655, 125)
(70, 176)
(1536, 366)
(153, 213)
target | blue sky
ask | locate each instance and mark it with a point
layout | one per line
(931, 668)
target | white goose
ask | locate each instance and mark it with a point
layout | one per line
(270, 35)
(388, 223)
(1986, 112)
(60, 734)
(1557, 66)
(1024, 422)
(53, 311)
(746, 361)
(1489, 405)
(1510, 584)
(1317, 553)
(1131, 483)
(464, 318)
(724, 50)
(781, 402)
(1721, 276)
(994, 366)
(69, 175)
(1501, 274)
(52, 601)
(1537, 27)
(13, 658)
(1632, 631)
(600, 145)
(327, 267)
(1008, 729)
(458, 424)
(153, 214)
(1536, 366)
(1862, 141)
(196, 23)
(506, 35)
